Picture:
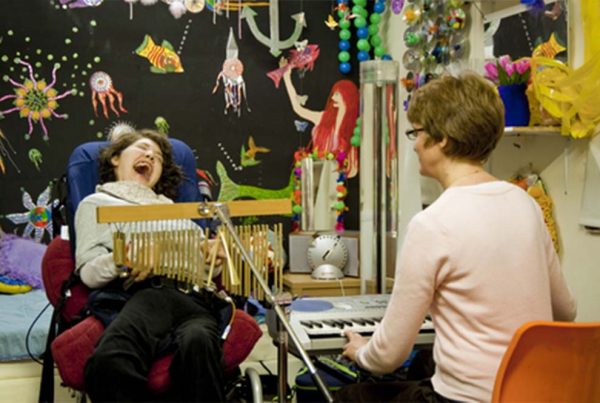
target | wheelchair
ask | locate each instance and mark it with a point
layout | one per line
(73, 335)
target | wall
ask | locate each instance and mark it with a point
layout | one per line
(561, 163)
(104, 38)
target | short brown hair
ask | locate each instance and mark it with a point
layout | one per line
(466, 110)
(171, 175)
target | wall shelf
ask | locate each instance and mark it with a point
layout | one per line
(532, 130)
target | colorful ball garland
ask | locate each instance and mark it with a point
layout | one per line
(367, 32)
(341, 190)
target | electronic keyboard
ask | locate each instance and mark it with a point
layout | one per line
(319, 322)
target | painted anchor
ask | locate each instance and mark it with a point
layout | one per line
(273, 42)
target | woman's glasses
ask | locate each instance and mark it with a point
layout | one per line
(413, 133)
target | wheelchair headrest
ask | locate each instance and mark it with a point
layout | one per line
(82, 174)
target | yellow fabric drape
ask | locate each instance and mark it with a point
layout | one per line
(590, 15)
(567, 94)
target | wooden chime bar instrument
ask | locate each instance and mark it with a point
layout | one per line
(162, 238)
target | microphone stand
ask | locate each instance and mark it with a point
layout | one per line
(221, 210)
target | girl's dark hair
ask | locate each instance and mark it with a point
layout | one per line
(171, 176)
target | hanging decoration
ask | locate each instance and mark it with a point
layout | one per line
(302, 58)
(272, 41)
(102, 88)
(435, 38)
(367, 32)
(38, 215)
(341, 190)
(344, 23)
(234, 86)
(5, 152)
(35, 100)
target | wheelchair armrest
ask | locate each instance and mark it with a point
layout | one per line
(72, 348)
(57, 269)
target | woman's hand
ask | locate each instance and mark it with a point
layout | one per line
(355, 341)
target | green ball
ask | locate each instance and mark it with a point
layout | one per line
(376, 40)
(343, 56)
(339, 205)
(356, 131)
(358, 10)
(297, 209)
(379, 51)
(373, 29)
(375, 18)
(341, 14)
(358, 121)
(344, 23)
(345, 34)
(363, 44)
(361, 3)
(355, 141)
(329, 156)
(360, 22)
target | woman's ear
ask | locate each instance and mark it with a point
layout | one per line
(115, 161)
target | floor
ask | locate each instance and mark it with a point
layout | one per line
(20, 381)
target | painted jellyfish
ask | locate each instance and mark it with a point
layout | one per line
(35, 100)
(102, 89)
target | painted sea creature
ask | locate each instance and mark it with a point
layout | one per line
(232, 191)
(549, 49)
(35, 156)
(38, 215)
(80, 3)
(163, 58)
(331, 22)
(35, 99)
(248, 157)
(102, 88)
(302, 58)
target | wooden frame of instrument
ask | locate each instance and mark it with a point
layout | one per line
(238, 208)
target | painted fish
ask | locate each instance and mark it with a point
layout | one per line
(302, 58)
(549, 49)
(163, 58)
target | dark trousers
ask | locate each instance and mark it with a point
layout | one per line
(391, 391)
(414, 387)
(118, 369)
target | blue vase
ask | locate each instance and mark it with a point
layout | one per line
(516, 106)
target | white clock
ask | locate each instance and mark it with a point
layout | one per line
(327, 255)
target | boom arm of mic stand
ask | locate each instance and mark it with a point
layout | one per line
(219, 210)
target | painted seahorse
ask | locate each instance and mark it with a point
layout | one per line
(232, 191)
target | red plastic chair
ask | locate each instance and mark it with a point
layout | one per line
(551, 362)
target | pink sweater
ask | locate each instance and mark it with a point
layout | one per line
(481, 262)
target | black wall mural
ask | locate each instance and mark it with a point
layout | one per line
(36, 35)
